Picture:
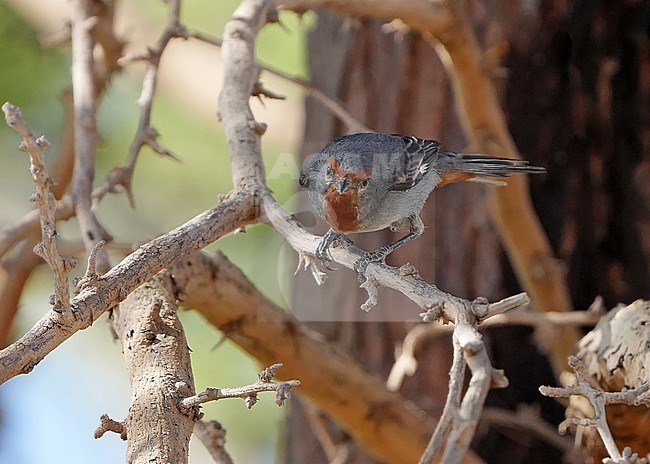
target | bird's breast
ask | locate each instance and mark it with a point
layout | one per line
(342, 210)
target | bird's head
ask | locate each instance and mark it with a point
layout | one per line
(342, 177)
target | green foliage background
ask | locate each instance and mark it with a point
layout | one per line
(59, 403)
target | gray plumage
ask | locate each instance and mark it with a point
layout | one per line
(403, 170)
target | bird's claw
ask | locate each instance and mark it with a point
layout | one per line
(377, 256)
(323, 256)
(322, 250)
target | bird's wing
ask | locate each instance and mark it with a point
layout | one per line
(413, 162)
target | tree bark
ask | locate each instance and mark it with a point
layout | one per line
(158, 362)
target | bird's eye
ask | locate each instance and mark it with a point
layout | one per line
(303, 181)
(365, 182)
(329, 171)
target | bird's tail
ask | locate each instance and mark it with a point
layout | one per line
(481, 168)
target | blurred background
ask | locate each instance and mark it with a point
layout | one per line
(50, 415)
(573, 79)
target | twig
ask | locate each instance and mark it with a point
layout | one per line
(406, 362)
(248, 392)
(599, 399)
(106, 424)
(452, 403)
(47, 248)
(213, 437)
(465, 419)
(20, 267)
(335, 107)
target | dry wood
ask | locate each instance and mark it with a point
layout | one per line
(158, 363)
(616, 356)
(114, 286)
(387, 425)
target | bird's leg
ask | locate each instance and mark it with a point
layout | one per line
(416, 227)
(322, 250)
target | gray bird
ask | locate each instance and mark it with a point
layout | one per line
(368, 182)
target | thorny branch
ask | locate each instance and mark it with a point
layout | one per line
(249, 392)
(47, 248)
(146, 134)
(331, 104)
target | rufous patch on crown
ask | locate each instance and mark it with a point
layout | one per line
(353, 177)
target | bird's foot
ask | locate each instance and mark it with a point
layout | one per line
(377, 256)
(334, 238)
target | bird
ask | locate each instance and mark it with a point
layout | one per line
(368, 182)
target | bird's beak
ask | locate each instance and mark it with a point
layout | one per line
(344, 185)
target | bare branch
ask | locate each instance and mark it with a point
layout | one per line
(452, 404)
(54, 328)
(437, 303)
(239, 78)
(157, 359)
(248, 392)
(20, 266)
(406, 362)
(122, 176)
(465, 418)
(335, 107)
(47, 247)
(383, 422)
